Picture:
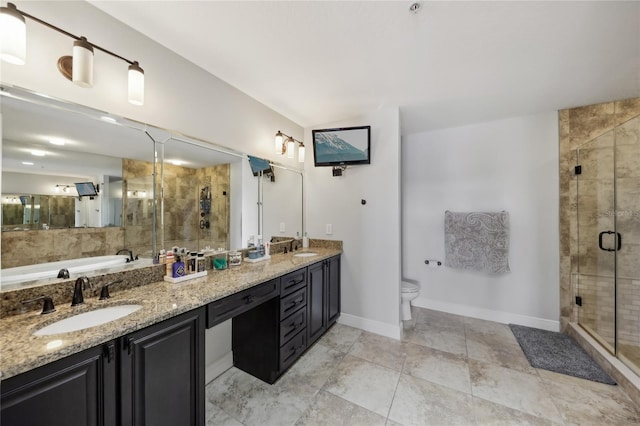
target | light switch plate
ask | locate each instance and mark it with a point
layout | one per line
(329, 229)
(281, 226)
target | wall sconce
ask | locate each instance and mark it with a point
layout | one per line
(63, 188)
(77, 68)
(288, 146)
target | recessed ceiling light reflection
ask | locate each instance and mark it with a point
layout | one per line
(27, 163)
(176, 162)
(54, 344)
(38, 153)
(108, 119)
(57, 141)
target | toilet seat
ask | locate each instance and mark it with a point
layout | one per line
(409, 288)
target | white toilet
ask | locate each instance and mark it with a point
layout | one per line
(408, 293)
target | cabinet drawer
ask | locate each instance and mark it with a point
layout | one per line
(233, 305)
(293, 349)
(292, 325)
(291, 303)
(293, 281)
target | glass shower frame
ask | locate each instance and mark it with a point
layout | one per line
(608, 240)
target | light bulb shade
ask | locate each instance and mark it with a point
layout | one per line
(13, 35)
(136, 84)
(301, 154)
(291, 146)
(82, 63)
(279, 143)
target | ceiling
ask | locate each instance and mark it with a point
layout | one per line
(452, 63)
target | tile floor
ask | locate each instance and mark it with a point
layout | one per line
(448, 370)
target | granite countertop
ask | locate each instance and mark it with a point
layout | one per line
(22, 351)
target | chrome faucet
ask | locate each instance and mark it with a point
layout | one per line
(63, 273)
(81, 284)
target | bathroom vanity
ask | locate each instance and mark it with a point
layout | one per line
(148, 368)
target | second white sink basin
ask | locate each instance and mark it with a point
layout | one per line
(88, 319)
(305, 254)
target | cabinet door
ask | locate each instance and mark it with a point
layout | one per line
(162, 373)
(316, 312)
(77, 390)
(333, 289)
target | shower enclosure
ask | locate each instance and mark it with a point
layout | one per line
(608, 259)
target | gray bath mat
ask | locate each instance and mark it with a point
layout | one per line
(558, 352)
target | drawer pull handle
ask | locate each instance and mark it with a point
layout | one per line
(248, 299)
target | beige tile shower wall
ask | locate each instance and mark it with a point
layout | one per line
(137, 211)
(218, 179)
(28, 247)
(579, 126)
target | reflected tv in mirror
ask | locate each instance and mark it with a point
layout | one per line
(343, 146)
(86, 189)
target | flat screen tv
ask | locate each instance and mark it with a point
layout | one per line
(343, 146)
(86, 189)
(260, 165)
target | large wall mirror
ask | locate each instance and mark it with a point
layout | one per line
(204, 193)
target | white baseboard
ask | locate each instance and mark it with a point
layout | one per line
(372, 326)
(487, 314)
(218, 367)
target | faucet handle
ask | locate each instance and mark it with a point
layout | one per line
(47, 305)
(104, 293)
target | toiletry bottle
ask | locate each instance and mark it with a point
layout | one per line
(193, 262)
(178, 268)
(305, 241)
(162, 258)
(259, 246)
(251, 243)
(170, 260)
(201, 262)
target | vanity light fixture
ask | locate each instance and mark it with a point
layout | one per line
(63, 188)
(289, 146)
(77, 68)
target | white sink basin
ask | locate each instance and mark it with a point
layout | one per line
(88, 319)
(306, 254)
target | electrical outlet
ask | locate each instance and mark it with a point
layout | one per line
(329, 229)
(281, 226)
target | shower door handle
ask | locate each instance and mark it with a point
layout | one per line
(600, 235)
(618, 237)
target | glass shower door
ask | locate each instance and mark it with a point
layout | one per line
(597, 239)
(627, 142)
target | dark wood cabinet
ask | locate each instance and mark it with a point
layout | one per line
(316, 307)
(269, 338)
(162, 373)
(153, 377)
(77, 390)
(333, 289)
(323, 289)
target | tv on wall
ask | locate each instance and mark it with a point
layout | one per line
(86, 189)
(343, 146)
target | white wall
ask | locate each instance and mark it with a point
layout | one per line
(510, 165)
(371, 232)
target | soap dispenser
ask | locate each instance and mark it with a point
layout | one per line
(305, 241)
